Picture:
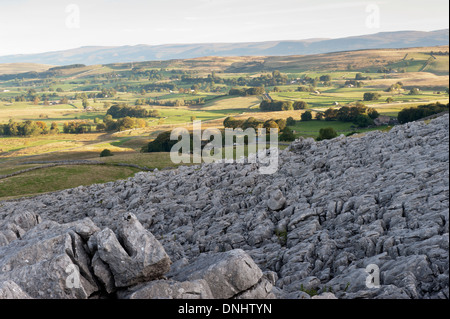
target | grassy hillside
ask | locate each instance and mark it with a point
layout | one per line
(13, 68)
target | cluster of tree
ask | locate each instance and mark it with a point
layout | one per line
(414, 91)
(355, 83)
(309, 81)
(152, 87)
(395, 87)
(275, 106)
(417, 113)
(78, 127)
(361, 77)
(27, 128)
(162, 143)
(439, 53)
(267, 79)
(359, 115)
(137, 72)
(325, 78)
(122, 110)
(106, 93)
(67, 67)
(121, 124)
(178, 102)
(326, 133)
(306, 89)
(251, 122)
(247, 91)
(385, 70)
(371, 96)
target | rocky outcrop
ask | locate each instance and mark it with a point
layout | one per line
(333, 210)
(78, 260)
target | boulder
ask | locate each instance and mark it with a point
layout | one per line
(134, 256)
(51, 261)
(227, 274)
(169, 289)
(10, 290)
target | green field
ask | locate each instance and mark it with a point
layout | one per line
(212, 78)
(312, 128)
(59, 178)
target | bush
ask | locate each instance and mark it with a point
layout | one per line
(327, 134)
(106, 153)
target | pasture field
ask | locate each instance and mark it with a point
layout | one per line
(207, 80)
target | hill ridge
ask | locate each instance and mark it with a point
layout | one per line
(134, 53)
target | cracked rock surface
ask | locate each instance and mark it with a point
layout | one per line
(331, 210)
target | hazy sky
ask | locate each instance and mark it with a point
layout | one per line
(32, 26)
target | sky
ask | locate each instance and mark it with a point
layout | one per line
(34, 26)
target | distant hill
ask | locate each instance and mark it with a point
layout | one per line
(120, 54)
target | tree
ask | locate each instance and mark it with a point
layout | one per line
(100, 127)
(271, 124)
(389, 100)
(253, 123)
(85, 103)
(331, 114)
(54, 128)
(162, 143)
(276, 89)
(300, 105)
(274, 106)
(326, 134)
(290, 121)
(106, 153)
(416, 113)
(64, 100)
(126, 123)
(287, 135)
(231, 122)
(319, 116)
(373, 114)
(414, 91)
(371, 96)
(282, 123)
(363, 120)
(307, 116)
